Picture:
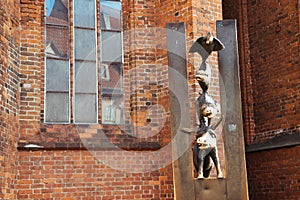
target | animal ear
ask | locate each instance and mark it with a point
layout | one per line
(218, 45)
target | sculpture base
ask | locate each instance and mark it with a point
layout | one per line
(210, 188)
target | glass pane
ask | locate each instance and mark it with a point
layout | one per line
(86, 77)
(85, 44)
(112, 110)
(57, 11)
(57, 75)
(85, 108)
(111, 46)
(110, 15)
(57, 107)
(112, 76)
(84, 13)
(57, 42)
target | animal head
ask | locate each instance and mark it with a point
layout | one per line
(206, 138)
(201, 142)
(209, 38)
(208, 106)
(209, 110)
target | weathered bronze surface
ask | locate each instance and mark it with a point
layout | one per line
(207, 108)
(205, 152)
(233, 186)
(179, 108)
(205, 46)
(210, 189)
(205, 148)
(233, 137)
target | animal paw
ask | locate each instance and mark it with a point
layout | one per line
(220, 175)
(200, 176)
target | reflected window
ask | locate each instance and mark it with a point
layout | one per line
(104, 72)
(112, 110)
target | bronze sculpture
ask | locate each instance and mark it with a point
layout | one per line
(206, 108)
(205, 151)
(205, 46)
(205, 147)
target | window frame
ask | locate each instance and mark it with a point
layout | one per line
(71, 59)
(67, 26)
(98, 79)
(103, 95)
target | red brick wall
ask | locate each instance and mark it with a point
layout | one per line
(145, 69)
(269, 59)
(32, 62)
(269, 49)
(140, 67)
(274, 174)
(274, 43)
(60, 171)
(237, 9)
(77, 175)
(9, 96)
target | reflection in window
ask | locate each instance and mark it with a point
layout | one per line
(85, 77)
(57, 29)
(112, 46)
(104, 72)
(111, 62)
(112, 110)
(110, 15)
(84, 72)
(57, 61)
(57, 9)
(112, 77)
(48, 7)
(84, 11)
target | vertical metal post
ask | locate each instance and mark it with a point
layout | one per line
(179, 109)
(236, 176)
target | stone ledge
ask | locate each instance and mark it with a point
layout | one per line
(285, 140)
(135, 146)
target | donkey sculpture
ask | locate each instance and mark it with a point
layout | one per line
(205, 153)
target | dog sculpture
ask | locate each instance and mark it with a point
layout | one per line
(205, 153)
(206, 108)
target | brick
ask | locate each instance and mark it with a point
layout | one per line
(88, 175)
(9, 96)
(271, 173)
(270, 95)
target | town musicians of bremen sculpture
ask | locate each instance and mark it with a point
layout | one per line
(205, 152)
